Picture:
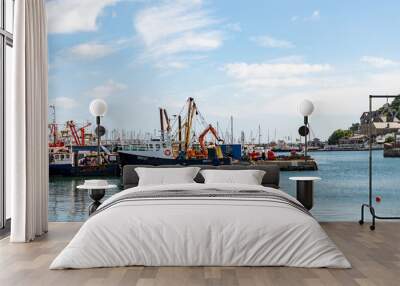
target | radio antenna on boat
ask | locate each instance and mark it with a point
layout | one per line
(161, 123)
(231, 129)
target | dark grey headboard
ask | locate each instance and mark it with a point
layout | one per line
(271, 178)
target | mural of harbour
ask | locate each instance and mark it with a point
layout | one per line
(338, 196)
(341, 161)
(224, 91)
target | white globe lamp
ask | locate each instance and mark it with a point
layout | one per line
(98, 107)
(306, 107)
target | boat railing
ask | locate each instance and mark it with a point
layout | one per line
(142, 147)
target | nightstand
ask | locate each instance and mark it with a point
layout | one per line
(305, 190)
(97, 190)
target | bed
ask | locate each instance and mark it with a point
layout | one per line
(199, 224)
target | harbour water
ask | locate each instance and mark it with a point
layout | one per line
(338, 196)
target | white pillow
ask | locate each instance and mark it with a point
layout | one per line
(166, 176)
(248, 177)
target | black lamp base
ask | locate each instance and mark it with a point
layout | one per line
(96, 195)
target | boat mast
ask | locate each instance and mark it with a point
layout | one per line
(161, 124)
(232, 130)
(167, 121)
(189, 120)
(53, 125)
(180, 132)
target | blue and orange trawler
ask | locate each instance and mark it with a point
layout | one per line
(178, 142)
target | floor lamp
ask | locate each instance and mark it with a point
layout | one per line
(306, 108)
(98, 108)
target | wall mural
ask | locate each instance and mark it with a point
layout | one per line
(222, 82)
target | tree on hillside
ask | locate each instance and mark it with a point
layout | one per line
(355, 127)
(390, 109)
(338, 134)
(395, 105)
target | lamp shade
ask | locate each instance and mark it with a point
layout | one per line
(306, 107)
(98, 107)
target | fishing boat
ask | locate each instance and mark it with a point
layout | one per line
(178, 142)
(73, 152)
(82, 161)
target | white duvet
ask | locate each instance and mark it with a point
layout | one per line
(193, 231)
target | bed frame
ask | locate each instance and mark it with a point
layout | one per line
(130, 178)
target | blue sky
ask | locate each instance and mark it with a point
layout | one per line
(254, 60)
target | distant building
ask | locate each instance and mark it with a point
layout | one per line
(358, 139)
(377, 116)
(382, 123)
(316, 142)
(383, 128)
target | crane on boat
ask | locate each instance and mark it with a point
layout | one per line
(185, 140)
(165, 122)
(191, 111)
(202, 136)
(79, 140)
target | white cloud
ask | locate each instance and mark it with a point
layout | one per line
(91, 50)
(172, 28)
(315, 16)
(64, 102)
(270, 42)
(292, 59)
(235, 27)
(378, 62)
(107, 89)
(273, 75)
(70, 16)
(189, 42)
(172, 65)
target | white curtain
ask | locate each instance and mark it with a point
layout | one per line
(27, 155)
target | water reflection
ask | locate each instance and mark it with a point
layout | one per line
(67, 203)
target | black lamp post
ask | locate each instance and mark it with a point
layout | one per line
(306, 107)
(98, 108)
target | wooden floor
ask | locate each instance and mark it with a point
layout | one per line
(375, 257)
